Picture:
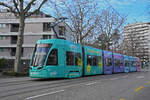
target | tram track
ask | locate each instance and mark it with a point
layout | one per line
(36, 85)
(14, 83)
(10, 83)
(40, 87)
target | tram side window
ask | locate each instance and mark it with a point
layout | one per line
(99, 60)
(130, 63)
(134, 63)
(116, 62)
(121, 62)
(53, 58)
(138, 63)
(70, 58)
(77, 58)
(95, 60)
(108, 61)
(126, 63)
(89, 60)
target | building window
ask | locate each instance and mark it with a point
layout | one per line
(53, 58)
(1, 49)
(13, 52)
(13, 39)
(3, 37)
(2, 25)
(61, 30)
(14, 28)
(46, 27)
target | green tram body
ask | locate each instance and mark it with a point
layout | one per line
(72, 60)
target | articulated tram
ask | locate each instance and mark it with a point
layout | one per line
(58, 58)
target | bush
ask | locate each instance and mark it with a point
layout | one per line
(3, 62)
(12, 73)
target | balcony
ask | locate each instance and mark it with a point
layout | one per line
(14, 28)
(14, 40)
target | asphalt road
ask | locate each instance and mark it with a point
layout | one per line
(132, 86)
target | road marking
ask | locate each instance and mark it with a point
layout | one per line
(122, 99)
(124, 76)
(44, 94)
(91, 83)
(105, 79)
(139, 88)
(140, 77)
(148, 82)
(113, 78)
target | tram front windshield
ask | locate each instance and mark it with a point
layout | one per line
(40, 53)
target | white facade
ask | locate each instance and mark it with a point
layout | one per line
(142, 32)
(37, 27)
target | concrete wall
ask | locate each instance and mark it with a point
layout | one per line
(27, 52)
(31, 39)
(34, 27)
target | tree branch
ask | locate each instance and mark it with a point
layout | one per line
(16, 6)
(35, 11)
(10, 8)
(29, 6)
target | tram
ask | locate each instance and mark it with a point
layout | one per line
(58, 58)
(138, 64)
(118, 63)
(126, 64)
(108, 62)
(132, 64)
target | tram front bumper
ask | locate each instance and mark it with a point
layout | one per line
(38, 74)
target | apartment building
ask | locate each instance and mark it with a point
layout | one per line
(37, 27)
(141, 33)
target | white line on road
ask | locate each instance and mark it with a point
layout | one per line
(91, 83)
(124, 76)
(113, 78)
(140, 77)
(44, 94)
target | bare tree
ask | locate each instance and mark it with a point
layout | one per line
(109, 28)
(82, 17)
(22, 9)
